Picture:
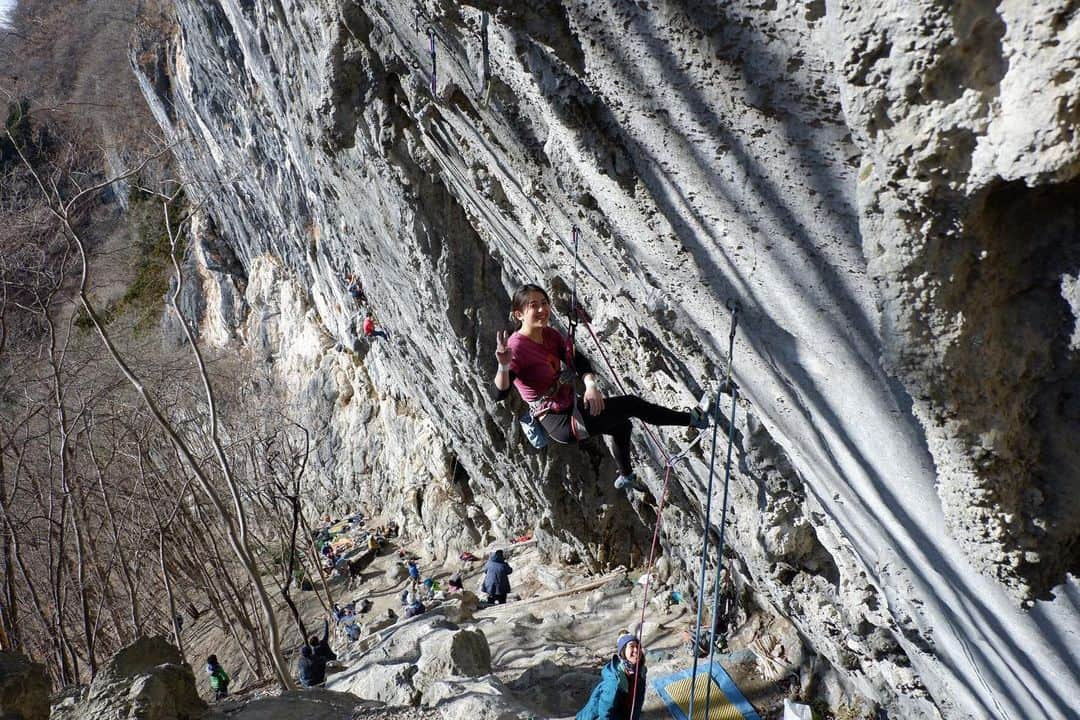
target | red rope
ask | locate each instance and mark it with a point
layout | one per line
(656, 529)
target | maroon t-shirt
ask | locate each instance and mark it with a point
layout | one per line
(536, 367)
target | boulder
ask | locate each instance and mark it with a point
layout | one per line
(461, 607)
(396, 573)
(483, 698)
(147, 680)
(455, 654)
(24, 688)
(311, 704)
(414, 657)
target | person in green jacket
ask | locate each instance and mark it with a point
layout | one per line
(219, 679)
(621, 690)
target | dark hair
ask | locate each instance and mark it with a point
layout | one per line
(212, 660)
(521, 296)
(313, 640)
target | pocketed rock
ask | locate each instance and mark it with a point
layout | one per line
(870, 180)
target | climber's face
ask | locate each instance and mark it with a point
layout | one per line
(535, 311)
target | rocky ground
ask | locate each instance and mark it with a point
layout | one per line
(539, 655)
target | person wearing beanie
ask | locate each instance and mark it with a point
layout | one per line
(497, 578)
(621, 691)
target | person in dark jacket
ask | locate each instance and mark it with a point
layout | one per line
(497, 578)
(321, 647)
(621, 690)
(311, 667)
(219, 679)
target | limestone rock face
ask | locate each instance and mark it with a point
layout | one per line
(888, 190)
(967, 115)
(24, 688)
(145, 681)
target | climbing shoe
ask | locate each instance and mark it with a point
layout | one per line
(630, 482)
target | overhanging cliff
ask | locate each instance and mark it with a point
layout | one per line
(841, 171)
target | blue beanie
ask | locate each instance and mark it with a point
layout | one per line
(625, 640)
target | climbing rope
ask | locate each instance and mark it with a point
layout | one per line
(695, 639)
(670, 461)
(431, 46)
(575, 233)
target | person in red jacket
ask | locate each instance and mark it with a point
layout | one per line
(371, 331)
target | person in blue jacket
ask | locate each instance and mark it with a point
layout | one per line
(497, 578)
(613, 697)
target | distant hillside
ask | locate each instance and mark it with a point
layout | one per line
(72, 57)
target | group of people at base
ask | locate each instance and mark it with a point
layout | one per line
(617, 696)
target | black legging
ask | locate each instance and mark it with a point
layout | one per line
(614, 421)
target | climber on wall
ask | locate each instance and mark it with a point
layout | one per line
(311, 668)
(370, 330)
(356, 289)
(320, 646)
(534, 359)
(621, 679)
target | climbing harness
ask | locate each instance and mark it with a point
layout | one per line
(733, 306)
(431, 46)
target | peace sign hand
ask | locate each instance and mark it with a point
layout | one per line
(502, 352)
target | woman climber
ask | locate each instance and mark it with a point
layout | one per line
(536, 358)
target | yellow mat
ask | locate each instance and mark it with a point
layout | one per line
(725, 702)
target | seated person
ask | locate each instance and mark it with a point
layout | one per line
(455, 583)
(414, 609)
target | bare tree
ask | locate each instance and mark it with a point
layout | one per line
(64, 206)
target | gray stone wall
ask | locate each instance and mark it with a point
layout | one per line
(857, 177)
